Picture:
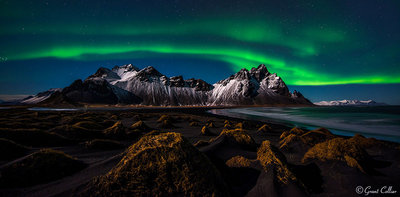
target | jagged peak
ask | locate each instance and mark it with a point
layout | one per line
(179, 77)
(148, 73)
(198, 84)
(177, 81)
(260, 68)
(151, 71)
(104, 73)
(260, 72)
(126, 68)
(243, 74)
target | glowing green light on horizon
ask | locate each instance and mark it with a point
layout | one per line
(291, 73)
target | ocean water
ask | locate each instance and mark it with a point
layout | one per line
(381, 122)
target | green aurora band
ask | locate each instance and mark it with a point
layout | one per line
(293, 50)
(293, 74)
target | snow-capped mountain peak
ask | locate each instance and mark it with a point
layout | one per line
(256, 86)
(105, 73)
(124, 68)
(149, 74)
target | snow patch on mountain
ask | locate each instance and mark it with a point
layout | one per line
(41, 96)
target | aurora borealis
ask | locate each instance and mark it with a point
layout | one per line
(314, 43)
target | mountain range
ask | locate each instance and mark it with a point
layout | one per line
(348, 102)
(128, 84)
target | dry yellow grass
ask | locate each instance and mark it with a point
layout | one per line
(116, 131)
(297, 131)
(366, 142)
(165, 117)
(237, 136)
(201, 143)
(89, 125)
(140, 126)
(242, 125)
(298, 140)
(194, 124)
(211, 125)
(265, 128)
(114, 117)
(205, 131)
(284, 134)
(290, 142)
(271, 159)
(228, 126)
(238, 162)
(317, 136)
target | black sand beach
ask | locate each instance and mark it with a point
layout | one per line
(248, 158)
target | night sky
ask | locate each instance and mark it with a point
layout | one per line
(326, 49)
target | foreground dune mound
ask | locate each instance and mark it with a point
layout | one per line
(160, 165)
(40, 167)
(206, 131)
(277, 177)
(236, 137)
(272, 159)
(339, 149)
(34, 137)
(117, 131)
(240, 162)
(76, 133)
(366, 142)
(166, 117)
(194, 124)
(297, 140)
(293, 143)
(89, 125)
(228, 124)
(264, 128)
(294, 130)
(317, 136)
(243, 125)
(10, 150)
(140, 127)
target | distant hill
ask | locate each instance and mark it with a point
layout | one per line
(348, 102)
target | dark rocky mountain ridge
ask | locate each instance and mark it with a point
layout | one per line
(129, 85)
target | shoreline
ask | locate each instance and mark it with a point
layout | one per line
(193, 110)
